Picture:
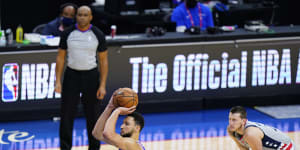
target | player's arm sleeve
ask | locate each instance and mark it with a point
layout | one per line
(101, 39)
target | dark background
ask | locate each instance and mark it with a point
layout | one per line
(30, 13)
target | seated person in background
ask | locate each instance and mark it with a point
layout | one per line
(192, 14)
(176, 2)
(65, 19)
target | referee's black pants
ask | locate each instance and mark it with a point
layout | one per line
(74, 83)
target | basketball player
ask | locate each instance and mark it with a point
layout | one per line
(104, 129)
(256, 136)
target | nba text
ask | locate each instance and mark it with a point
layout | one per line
(32, 81)
(198, 71)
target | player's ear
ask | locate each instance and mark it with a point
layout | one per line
(137, 128)
(244, 121)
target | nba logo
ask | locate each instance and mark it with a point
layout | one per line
(10, 82)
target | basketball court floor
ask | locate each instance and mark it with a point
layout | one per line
(196, 130)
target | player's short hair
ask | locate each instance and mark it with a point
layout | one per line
(63, 6)
(138, 119)
(239, 109)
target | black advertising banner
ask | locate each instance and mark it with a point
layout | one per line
(209, 69)
(160, 72)
(27, 80)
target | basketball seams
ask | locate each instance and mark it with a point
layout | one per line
(125, 97)
(127, 101)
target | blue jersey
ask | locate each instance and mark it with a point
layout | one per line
(181, 15)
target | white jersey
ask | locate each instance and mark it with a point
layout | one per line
(273, 138)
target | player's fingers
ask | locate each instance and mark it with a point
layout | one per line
(132, 108)
(57, 89)
(100, 95)
(103, 92)
(128, 111)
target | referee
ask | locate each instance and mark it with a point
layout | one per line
(79, 47)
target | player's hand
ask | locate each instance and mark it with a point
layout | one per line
(230, 133)
(57, 87)
(126, 111)
(111, 100)
(101, 92)
(111, 103)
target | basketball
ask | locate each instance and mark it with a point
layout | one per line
(125, 97)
